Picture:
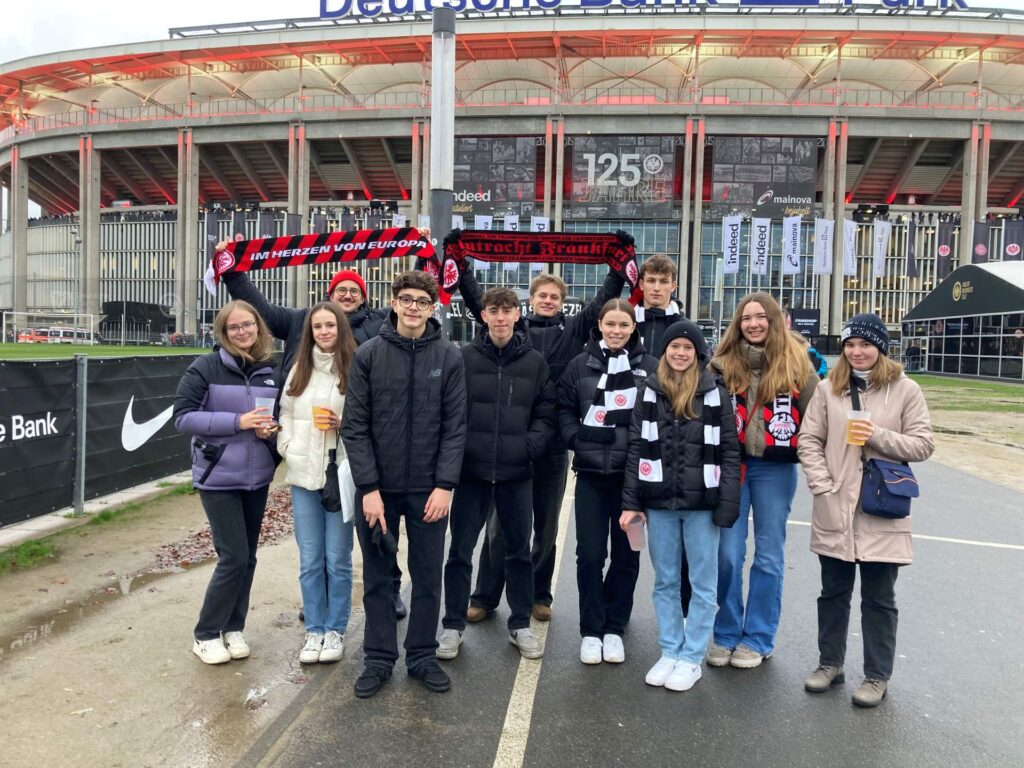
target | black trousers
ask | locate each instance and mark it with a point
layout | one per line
(878, 614)
(606, 599)
(235, 521)
(511, 503)
(425, 559)
(549, 476)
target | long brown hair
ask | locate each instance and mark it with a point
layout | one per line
(259, 352)
(679, 388)
(787, 366)
(885, 371)
(344, 348)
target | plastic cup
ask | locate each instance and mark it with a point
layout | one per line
(851, 418)
(321, 416)
(267, 403)
(635, 534)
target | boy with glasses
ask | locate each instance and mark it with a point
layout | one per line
(404, 429)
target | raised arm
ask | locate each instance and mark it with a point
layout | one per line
(278, 319)
(580, 325)
(471, 293)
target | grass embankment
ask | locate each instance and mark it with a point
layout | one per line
(62, 351)
(949, 394)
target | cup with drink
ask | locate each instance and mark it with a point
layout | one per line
(322, 415)
(635, 534)
(267, 404)
(852, 418)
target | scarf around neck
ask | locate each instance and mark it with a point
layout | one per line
(641, 311)
(615, 395)
(649, 469)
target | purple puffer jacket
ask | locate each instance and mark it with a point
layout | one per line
(211, 397)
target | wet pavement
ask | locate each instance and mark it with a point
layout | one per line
(955, 698)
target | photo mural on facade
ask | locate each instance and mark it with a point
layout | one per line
(769, 176)
(622, 177)
(495, 176)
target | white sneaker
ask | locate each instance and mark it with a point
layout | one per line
(310, 653)
(613, 651)
(237, 647)
(683, 676)
(333, 648)
(211, 651)
(528, 645)
(448, 644)
(590, 650)
(659, 673)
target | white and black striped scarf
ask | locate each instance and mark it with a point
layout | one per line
(615, 395)
(649, 467)
(641, 313)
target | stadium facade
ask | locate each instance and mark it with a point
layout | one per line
(658, 120)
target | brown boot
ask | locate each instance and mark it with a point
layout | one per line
(823, 678)
(541, 612)
(869, 693)
(475, 613)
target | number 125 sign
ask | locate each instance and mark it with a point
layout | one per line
(626, 169)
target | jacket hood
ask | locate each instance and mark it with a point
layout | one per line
(390, 332)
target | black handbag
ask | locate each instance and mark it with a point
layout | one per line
(887, 487)
(330, 494)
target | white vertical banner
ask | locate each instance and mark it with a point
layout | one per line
(880, 234)
(424, 221)
(511, 222)
(398, 220)
(760, 242)
(457, 222)
(824, 230)
(483, 223)
(731, 244)
(849, 248)
(791, 245)
(539, 224)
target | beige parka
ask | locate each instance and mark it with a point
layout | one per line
(833, 468)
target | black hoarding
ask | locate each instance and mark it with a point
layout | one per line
(495, 176)
(37, 438)
(130, 436)
(763, 176)
(627, 177)
(806, 321)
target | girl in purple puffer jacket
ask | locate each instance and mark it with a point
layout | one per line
(225, 401)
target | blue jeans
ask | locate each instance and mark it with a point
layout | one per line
(325, 562)
(668, 531)
(768, 488)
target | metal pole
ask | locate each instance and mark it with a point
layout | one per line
(81, 384)
(442, 121)
(124, 322)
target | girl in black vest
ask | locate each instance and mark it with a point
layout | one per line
(683, 479)
(596, 395)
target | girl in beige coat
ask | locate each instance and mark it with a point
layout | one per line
(897, 428)
(314, 395)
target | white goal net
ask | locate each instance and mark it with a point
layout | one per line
(49, 328)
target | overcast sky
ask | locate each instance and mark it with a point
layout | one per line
(45, 26)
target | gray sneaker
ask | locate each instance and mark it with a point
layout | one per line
(528, 645)
(823, 678)
(718, 655)
(869, 693)
(448, 644)
(747, 658)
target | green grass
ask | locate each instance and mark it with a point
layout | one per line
(128, 510)
(62, 351)
(974, 386)
(26, 554)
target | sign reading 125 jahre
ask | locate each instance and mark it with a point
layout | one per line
(622, 177)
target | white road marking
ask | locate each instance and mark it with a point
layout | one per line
(516, 730)
(993, 544)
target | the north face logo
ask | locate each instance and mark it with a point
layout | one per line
(268, 382)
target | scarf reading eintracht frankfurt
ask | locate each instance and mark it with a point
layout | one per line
(649, 466)
(615, 394)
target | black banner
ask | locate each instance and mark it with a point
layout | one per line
(622, 177)
(806, 321)
(943, 250)
(1013, 239)
(764, 176)
(495, 176)
(37, 438)
(979, 251)
(912, 248)
(130, 436)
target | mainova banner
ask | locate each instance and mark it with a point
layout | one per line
(769, 176)
(495, 176)
(627, 177)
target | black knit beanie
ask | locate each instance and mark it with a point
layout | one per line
(868, 327)
(686, 329)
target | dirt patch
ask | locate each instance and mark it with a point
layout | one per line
(987, 444)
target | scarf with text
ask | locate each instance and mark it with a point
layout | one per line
(649, 467)
(781, 425)
(326, 248)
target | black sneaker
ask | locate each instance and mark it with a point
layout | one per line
(370, 681)
(432, 676)
(400, 610)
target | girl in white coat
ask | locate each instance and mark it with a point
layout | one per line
(313, 399)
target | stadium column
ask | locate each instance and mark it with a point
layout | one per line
(17, 221)
(425, 175)
(828, 206)
(549, 148)
(89, 204)
(836, 309)
(559, 184)
(297, 279)
(416, 193)
(187, 269)
(968, 196)
(684, 219)
(984, 154)
(442, 118)
(693, 293)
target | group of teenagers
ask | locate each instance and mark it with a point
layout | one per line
(661, 433)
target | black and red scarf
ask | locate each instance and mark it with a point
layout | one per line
(781, 425)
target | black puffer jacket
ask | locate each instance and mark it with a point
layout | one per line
(682, 459)
(511, 411)
(576, 393)
(287, 324)
(404, 423)
(656, 322)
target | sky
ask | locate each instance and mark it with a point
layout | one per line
(57, 25)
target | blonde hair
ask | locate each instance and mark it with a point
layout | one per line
(543, 279)
(885, 371)
(679, 388)
(261, 350)
(787, 366)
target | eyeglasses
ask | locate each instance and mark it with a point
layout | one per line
(342, 291)
(246, 326)
(408, 301)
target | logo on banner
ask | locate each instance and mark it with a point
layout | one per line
(451, 274)
(599, 417)
(135, 435)
(223, 262)
(766, 197)
(632, 274)
(944, 250)
(620, 400)
(653, 164)
(431, 269)
(645, 468)
(980, 249)
(1013, 249)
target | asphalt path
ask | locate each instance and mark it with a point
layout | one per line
(956, 697)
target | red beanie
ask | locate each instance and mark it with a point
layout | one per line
(346, 274)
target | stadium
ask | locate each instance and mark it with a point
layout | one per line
(660, 120)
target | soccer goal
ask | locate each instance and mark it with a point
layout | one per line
(49, 328)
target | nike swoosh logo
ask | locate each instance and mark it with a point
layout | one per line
(134, 436)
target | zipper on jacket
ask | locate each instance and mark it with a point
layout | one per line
(497, 431)
(411, 405)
